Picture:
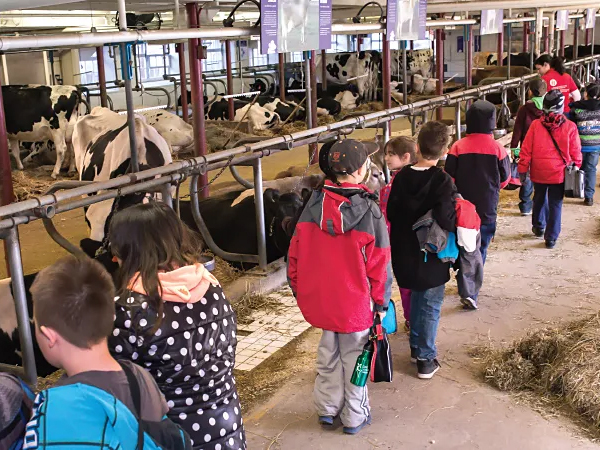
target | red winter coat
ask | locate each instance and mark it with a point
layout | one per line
(338, 257)
(540, 157)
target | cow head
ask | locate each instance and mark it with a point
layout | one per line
(280, 211)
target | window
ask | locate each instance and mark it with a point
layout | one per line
(215, 56)
(339, 43)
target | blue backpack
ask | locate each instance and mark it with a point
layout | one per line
(389, 321)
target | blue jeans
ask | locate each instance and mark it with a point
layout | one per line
(525, 192)
(590, 161)
(547, 208)
(387, 295)
(488, 230)
(425, 309)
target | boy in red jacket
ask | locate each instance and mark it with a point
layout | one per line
(337, 269)
(551, 143)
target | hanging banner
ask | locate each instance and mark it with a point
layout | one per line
(491, 21)
(406, 20)
(590, 18)
(562, 19)
(295, 25)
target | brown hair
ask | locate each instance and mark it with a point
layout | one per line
(150, 238)
(538, 87)
(433, 140)
(402, 145)
(75, 297)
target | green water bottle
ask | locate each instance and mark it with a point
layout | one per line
(360, 375)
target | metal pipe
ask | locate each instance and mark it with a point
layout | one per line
(439, 50)
(500, 48)
(525, 37)
(282, 82)
(309, 103)
(240, 179)
(230, 109)
(587, 36)
(563, 42)
(197, 95)
(324, 69)
(551, 33)
(5, 70)
(508, 52)
(445, 7)
(185, 114)
(130, 107)
(7, 196)
(575, 40)
(259, 205)
(469, 62)
(457, 120)
(404, 74)
(102, 77)
(46, 68)
(387, 92)
(532, 53)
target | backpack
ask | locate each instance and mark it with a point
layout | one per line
(15, 411)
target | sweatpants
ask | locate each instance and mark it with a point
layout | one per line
(334, 394)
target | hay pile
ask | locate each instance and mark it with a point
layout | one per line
(224, 272)
(558, 363)
(217, 136)
(252, 302)
(31, 183)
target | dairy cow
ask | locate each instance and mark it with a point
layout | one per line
(40, 113)
(283, 109)
(102, 152)
(360, 68)
(258, 117)
(417, 62)
(178, 133)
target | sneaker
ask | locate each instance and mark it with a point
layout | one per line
(326, 421)
(469, 303)
(427, 368)
(588, 202)
(413, 355)
(550, 244)
(538, 232)
(354, 430)
(523, 213)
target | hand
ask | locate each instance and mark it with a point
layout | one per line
(381, 314)
(523, 177)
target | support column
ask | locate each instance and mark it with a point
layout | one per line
(228, 68)
(102, 77)
(539, 31)
(126, 72)
(7, 195)
(49, 81)
(469, 56)
(404, 74)
(500, 46)
(588, 34)
(282, 82)
(575, 40)
(552, 33)
(525, 37)
(311, 90)
(563, 42)
(508, 52)
(546, 40)
(439, 50)
(324, 70)
(387, 93)
(185, 114)
(5, 70)
(194, 50)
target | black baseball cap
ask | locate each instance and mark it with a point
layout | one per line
(346, 156)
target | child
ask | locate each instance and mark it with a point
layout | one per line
(73, 308)
(527, 113)
(399, 152)
(480, 168)
(586, 114)
(416, 190)
(551, 143)
(172, 317)
(337, 263)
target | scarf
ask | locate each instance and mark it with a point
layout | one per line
(552, 121)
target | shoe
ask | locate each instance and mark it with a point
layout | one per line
(326, 421)
(413, 355)
(588, 202)
(538, 232)
(426, 368)
(407, 326)
(469, 303)
(354, 430)
(528, 213)
(550, 244)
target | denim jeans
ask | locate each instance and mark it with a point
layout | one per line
(525, 192)
(590, 161)
(547, 208)
(425, 309)
(488, 230)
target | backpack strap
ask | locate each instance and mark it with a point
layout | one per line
(556, 146)
(134, 388)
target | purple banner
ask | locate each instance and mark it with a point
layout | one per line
(268, 27)
(392, 20)
(406, 20)
(422, 19)
(325, 20)
(491, 21)
(590, 18)
(562, 19)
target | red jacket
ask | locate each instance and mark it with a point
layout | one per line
(338, 257)
(540, 157)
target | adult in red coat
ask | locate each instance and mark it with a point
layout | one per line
(551, 143)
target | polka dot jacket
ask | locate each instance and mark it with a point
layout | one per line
(191, 357)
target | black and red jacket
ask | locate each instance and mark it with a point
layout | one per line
(480, 167)
(338, 257)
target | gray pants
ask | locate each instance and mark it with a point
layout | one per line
(334, 394)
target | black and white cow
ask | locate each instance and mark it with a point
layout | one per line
(360, 68)
(41, 113)
(177, 132)
(102, 152)
(283, 109)
(417, 61)
(259, 118)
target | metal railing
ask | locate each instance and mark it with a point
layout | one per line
(77, 195)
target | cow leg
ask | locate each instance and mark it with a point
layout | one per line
(58, 137)
(71, 154)
(16, 152)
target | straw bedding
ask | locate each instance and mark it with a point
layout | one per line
(559, 363)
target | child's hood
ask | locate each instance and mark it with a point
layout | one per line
(339, 209)
(415, 194)
(187, 284)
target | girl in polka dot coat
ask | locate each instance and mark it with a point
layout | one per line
(172, 318)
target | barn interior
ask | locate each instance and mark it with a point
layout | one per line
(183, 54)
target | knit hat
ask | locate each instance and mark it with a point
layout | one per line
(554, 101)
(481, 117)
